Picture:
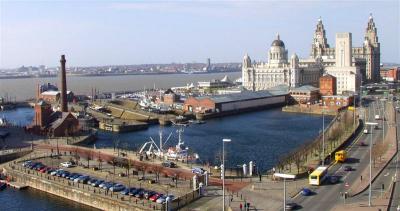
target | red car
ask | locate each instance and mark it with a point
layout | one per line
(155, 197)
(42, 169)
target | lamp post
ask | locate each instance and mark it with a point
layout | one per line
(223, 172)
(370, 162)
(383, 119)
(323, 135)
(284, 176)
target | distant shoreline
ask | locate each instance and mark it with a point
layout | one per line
(115, 74)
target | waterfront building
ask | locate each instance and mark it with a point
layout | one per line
(235, 102)
(215, 84)
(337, 101)
(304, 95)
(279, 70)
(390, 74)
(327, 85)
(366, 57)
(54, 123)
(348, 77)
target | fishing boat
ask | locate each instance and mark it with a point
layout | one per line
(177, 152)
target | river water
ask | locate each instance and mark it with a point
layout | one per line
(24, 88)
(261, 136)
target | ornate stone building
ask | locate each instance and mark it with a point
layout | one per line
(367, 57)
(279, 70)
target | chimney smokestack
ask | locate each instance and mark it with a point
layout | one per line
(63, 97)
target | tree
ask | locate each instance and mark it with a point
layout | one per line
(88, 156)
(157, 170)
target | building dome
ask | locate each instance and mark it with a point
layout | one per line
(278, 42)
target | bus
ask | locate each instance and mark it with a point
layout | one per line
(318, 175)
(340, 156)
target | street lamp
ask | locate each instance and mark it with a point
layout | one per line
(323, 135)
(284, 176)
(383, 119)
(370, 162)
(223, 171)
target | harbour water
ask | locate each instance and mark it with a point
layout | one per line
(24, 88)
(261, 136)
(30, 199)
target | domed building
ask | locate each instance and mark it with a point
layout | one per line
(279, 70)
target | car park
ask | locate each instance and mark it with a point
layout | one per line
(74, 177)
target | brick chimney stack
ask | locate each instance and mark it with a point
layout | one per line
(63, 97)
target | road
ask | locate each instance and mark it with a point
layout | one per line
(327, 195)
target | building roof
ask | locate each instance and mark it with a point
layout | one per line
(52, 93)
(327, 75)
(305, 88)
(278, 42)
(245, 95)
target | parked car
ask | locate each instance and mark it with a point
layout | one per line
(92, 180)
(70, 176)
(133, 193)
(74, 177)
(101, 185)
(126, 191)
(54, 173)
(26, 163)
(117, 187)
(97, 183)
(140, 194)
(149, 194)
(155, 197)
(348, 168)
(82, 179)
(306, 192)
(66, 164)
(65, 174)
(161, 199)
(108, 185)
(170, 198)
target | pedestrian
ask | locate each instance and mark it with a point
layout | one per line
(361, 178)
(240, 206)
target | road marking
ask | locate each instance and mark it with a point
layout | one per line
(387, 174)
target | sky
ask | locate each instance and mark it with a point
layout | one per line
(94, 33)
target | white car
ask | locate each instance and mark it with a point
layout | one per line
(66, 164)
